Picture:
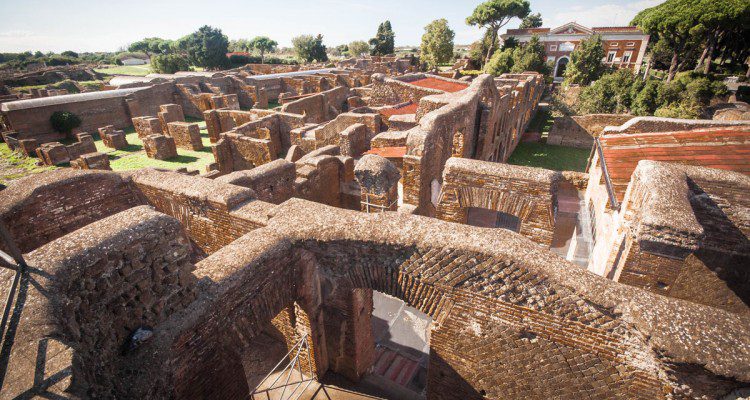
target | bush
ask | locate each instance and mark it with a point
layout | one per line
(57, 60)
(610, 94)
(64, 121)
(500, 63)
(238, 60)
(169, 63)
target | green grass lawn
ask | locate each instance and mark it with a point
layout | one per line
(134, 157)
(541, 122)
(541, 155)
(14, 165)
(135, 70)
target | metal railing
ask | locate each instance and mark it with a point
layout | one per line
(607, 182)
(13, 261)
(293, 367)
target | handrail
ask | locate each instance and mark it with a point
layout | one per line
(607, 181)
(15, 258)
(291, 366)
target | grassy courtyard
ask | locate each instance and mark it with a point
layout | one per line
(134, 70)
(13, 165)
(542, 155)
(134, 156)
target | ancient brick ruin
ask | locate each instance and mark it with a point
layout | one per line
(165, 284)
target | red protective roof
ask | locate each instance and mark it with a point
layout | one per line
(388, 152)
(410, 108)
(721, 148)
(439, 84)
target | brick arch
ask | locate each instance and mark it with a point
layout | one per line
(510, 320)
(526, 193)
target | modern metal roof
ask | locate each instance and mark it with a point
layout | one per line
(66, 98)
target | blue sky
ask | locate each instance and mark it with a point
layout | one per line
(106, 25)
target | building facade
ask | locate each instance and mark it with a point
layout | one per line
(624, 47)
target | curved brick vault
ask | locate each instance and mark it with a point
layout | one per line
(511, 319)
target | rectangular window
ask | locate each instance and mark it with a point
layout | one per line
(630, 44)
(614, 44)
(626, 57)
(611, 56)
(553, 47)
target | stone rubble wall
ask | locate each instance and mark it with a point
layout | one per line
(685, 235)
(128, 271)
(272, 182)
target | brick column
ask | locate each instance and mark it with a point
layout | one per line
(348, 329)
(378, 179)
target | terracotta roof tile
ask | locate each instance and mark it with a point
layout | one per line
(410, 108)
(439, 84)
(388, 152)
(720, 148)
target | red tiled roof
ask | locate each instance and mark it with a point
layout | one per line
(410, 108)
(388, 152)
(721, 148)
(439, 84)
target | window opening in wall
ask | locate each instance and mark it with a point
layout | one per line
(487, 218)
(626, 57)
(611, 56)
(402, 348)
(553, 47)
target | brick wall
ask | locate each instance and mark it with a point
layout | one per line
(527, 193)
(40, 208)
(207, 209)
(128, 271)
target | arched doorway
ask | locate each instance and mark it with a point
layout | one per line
(562, 63)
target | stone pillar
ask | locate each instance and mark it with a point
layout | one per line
(378, 179)
(348, 328)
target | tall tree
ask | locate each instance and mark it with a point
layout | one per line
(437, 43)
(310, 48)
(207, 47)
(585, 64)
(384, 41)
(240, 45)
(152, 45)
(358, 47)
(671, 21)
(494, 14)
(264, 45)
(531, 21)
(530, 56)
(479, 49)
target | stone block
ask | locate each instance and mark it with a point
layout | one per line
(146, 126)
(186, 135)
(54, 153)
(169, 113)
(92, 161)
(28, 146)
(160, 147)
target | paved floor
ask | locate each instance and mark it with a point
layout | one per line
(571, 219)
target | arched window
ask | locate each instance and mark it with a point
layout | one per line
(486, 218)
